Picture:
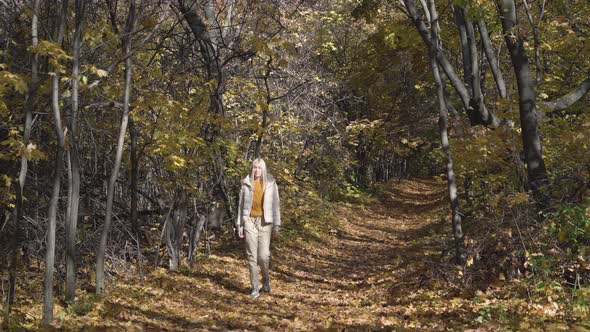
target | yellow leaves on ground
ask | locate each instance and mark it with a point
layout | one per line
(374, 270)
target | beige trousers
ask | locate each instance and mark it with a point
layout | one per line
(257, 234)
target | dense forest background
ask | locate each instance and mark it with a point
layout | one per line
(127, 126)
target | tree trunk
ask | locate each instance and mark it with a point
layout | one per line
(536, 39)
(195, 236)
(265, 108)
(22, 175)
(461, 26)
(477, 116)
(134, 174)
(174, 231)
(477, 102)
(537, 174)
(72, 218)
(210, 39)
(100, 255)
(443, 121)
(53, 204)
(492, 61)
(476, 111)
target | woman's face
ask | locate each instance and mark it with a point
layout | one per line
(257, 171)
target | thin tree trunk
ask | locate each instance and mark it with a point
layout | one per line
(167, 218)
(194, 238)
(536, 40)
(100, 256)
(72, 225)
(537, 174)
(68, 216)
(174, 231)
(477, 102)
(133, 176)
(492, 61)
(476, 110)
(461, 26)
(228, 26)
(265, 109)
(443, 121)
(22, 175)
(53, 204)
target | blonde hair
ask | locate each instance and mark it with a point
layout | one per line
(262, 165)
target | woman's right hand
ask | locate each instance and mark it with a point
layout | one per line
(241, 232)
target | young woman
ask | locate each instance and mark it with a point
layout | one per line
(259, 218)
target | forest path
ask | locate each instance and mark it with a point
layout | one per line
(366, 275)
(379, 268)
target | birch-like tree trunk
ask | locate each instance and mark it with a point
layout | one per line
(101, 251)
(134, 173)
(477, 115)
(195, 236)
(476, 111)
(59, 165)
(74, 162)
(492, 60)
(22, 175)
(459, 14)
(477, 99)
(175, 230)
(443, 120)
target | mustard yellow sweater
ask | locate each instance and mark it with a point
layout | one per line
(256, 210)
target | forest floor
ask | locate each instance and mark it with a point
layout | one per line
(375, 270)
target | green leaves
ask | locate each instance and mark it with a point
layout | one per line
(572, 224)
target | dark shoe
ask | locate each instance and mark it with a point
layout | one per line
(266, 286)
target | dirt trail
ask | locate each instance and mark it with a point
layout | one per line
(379, 257)
(368, 275)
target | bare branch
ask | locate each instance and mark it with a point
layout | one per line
(569, 99)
